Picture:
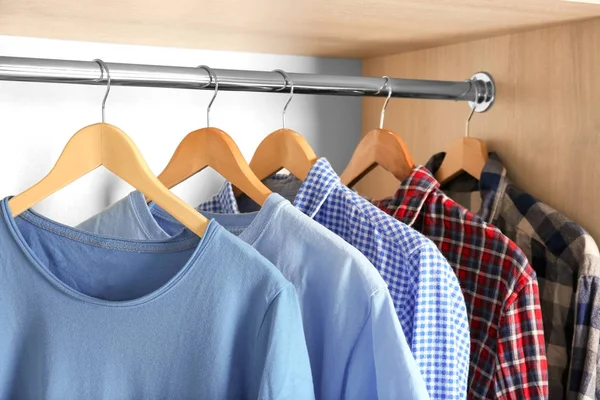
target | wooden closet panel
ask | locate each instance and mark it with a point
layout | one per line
(545, 123)
(335, 28)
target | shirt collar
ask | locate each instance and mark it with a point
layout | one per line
(412, 194)
(492, 184)
(223, 202)
(316, 188)
(313, 192)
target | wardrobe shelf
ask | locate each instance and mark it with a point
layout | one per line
(337, 28)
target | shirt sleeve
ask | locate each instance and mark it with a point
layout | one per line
(381, 365)
(585, 368)
(522, 369)
(441, 341)
(282, 365)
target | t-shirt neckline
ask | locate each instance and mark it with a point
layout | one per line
(249, 225)
(77, 235)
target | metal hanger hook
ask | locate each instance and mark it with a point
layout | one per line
(387, 83)
(213, 78)
(288, 81)
(472, 82)
(104, 67)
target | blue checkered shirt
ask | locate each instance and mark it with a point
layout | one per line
(426, 293)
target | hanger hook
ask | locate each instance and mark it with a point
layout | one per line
(104, 67)
(287, 81)
(387, 83)
(213, 78)
(471, 83)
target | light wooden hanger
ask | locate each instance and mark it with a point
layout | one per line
(379, 147)
(465, 155)
(211, 147)
(106, 145)
(284, 148)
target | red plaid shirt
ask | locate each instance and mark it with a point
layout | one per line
(508, 359)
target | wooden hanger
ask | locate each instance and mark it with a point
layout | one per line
(465, 155)
(211, 147)
(379, 147)
(284, 148)
(106, 145)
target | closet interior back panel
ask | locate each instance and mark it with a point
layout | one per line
(545, 123)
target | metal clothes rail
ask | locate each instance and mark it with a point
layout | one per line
(479, 90)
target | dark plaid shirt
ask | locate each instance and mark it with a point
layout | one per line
(508, 359)
(567, 264)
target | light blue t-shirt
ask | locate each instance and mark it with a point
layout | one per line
(356, 345)
(84, 316)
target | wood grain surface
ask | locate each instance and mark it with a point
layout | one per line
(545, 124)
(341, 28)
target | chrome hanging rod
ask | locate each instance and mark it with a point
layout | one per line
(479, 90)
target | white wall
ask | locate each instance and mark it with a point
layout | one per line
(36, 120)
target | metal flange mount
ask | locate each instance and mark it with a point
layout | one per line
(486, 91)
